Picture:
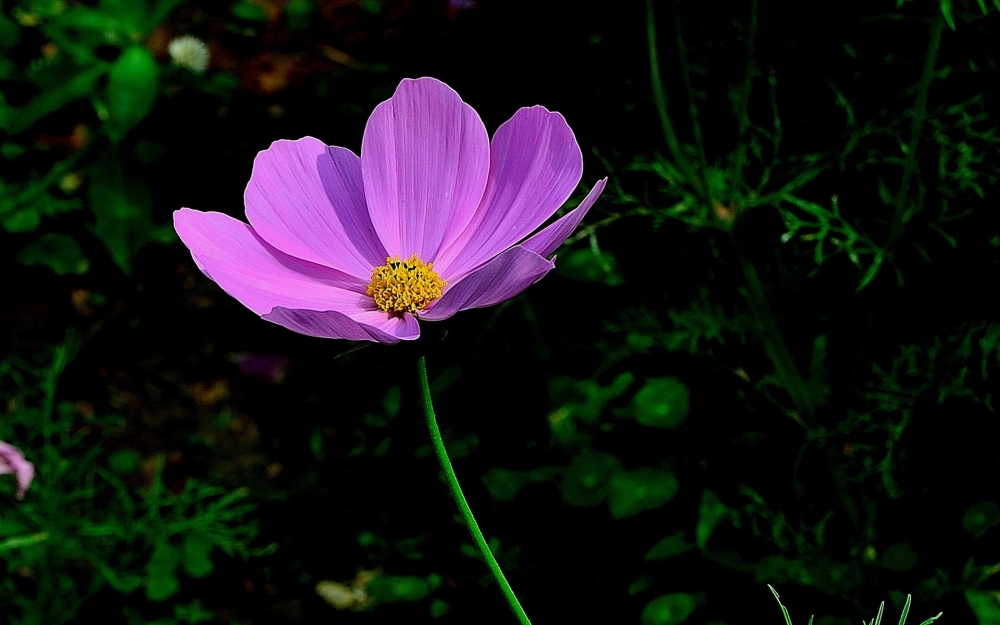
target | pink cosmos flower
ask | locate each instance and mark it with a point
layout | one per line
(431, 219)
(12, 461)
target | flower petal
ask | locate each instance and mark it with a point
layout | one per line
(552, 236)
(12, 461)
(307, 199)
(535, 164)
(261, 277)
(511, 272)
(370, 326)
(425, 160)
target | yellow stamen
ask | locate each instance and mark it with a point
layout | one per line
(401, 286)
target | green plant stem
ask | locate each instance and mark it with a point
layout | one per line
(692, 109)
(791, 378)
(660, 98)
(743, 104)
(775, 345)
(463, 505)
(900, 216)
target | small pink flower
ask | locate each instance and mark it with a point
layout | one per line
(12, 461)
(431, 219)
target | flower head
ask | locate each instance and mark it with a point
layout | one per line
(190, 53)
(431, 219)
(12, 461)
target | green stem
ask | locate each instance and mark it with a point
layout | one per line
(743, 105)
(774, 343)
(693, 110)
(900, 214)
(463, 505)
(660, 98)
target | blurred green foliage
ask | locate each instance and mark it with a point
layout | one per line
(90, 76)
(922, 172)
(755, 388)
(96, 521)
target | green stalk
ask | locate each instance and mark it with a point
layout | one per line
(743, 106)
(693, 110)
(900, 217)
(775, 345)
(459, 497)
(660, 98)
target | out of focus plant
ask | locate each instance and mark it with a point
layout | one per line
(902, 184)
(75, 81)
(100, 519)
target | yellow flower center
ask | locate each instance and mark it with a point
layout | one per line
(401, 286)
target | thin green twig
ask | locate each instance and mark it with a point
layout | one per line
(456, 493)
(692, 110)
(660, 98)
(775, 345)
(743, 105)
(900, 216)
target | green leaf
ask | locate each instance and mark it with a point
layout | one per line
(161, 578)
(985, 605)
(585, 481)
(193, 613)
(196, 550)
(981, 518)
(161, 10)
(84, 18)
(248, 11)
(125, 461)
(58, 252)
(587, 266)
(671, 546)
(373, 540)
(784, 610)
(503, 484)
(410, 548)
(633, 492)
(439, 607)
(11, 150)
(122, 210)
(639, 585)
(661, 402)
(131, 14)
(17, 542)
(392, 588)
(15, 120)
(133, 83)
(392, 401)
(668, 609)
(899, 557)
(710, 512)
(298, 14)
(26, 219)
(946, 13)
(10, 33)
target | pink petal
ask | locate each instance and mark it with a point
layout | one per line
(373, 325)
(425, 160)
(511, 272)
(535, 164)
(307, 199)
(12, 461)
(552, 236)
(261, 277)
